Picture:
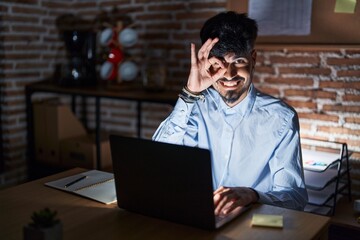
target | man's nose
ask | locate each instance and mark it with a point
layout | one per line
(230, 71)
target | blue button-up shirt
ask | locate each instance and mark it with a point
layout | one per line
(254, 144)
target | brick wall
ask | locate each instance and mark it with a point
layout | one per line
(321, 82)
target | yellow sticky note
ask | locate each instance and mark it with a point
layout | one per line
(267, 220)
(345, 6)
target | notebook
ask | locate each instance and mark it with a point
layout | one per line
(166, 181)
(94, 184)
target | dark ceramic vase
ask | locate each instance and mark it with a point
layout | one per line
(52, 233)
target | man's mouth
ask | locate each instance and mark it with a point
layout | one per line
(230, 83)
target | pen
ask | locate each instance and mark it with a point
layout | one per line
(75, 181)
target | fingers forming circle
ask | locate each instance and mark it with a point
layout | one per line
(206, 48)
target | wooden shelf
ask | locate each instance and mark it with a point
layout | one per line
(304, 47)
(129, 92)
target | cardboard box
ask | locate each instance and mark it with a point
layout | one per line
(53, 122)
(81, 152)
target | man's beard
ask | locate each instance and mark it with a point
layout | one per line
(233, 95)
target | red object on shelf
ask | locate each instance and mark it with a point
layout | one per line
(115, 55)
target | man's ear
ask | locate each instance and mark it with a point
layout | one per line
(253, 55)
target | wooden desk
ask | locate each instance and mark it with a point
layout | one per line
(344, 224)
(87, 219)
(130, 93)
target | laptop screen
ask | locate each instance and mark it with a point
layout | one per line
(167, 181)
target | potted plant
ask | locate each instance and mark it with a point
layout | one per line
(44, 226)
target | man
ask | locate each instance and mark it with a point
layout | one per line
(253, 137)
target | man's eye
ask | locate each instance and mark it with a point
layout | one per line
(216, 65)
(239, 61)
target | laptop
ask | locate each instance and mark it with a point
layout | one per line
(166, 181)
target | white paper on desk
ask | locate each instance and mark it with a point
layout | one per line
(318, 161)
(97, 185)
(281, 17)
(104, 192)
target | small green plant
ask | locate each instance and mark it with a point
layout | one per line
(44, 218)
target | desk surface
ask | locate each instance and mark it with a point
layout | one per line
(345, 215)
(124, 92)
(87, 219)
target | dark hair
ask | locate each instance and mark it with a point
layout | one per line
(236, 32)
